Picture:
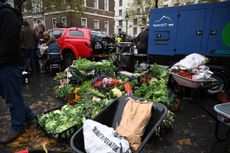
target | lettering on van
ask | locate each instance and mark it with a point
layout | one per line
(164, 21)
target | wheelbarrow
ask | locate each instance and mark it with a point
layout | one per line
(111, 116)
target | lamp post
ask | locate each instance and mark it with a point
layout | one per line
(126, 20)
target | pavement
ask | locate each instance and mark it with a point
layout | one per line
(193, 132)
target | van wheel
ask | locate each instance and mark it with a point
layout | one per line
(218, 86)
(68, 58)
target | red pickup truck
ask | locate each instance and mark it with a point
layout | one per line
(81, 42)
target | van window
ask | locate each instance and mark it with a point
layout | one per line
(97, 33)
(76, 33)
(57, 33)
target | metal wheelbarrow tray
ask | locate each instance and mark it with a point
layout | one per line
(111, 117)
(186, 82)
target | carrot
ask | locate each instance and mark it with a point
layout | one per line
(114, 82)
(77, 97)
(128, 88)
(98, 83)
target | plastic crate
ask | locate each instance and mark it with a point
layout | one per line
(223, 113)
(64, 135)
(186, 82)
(111, 116)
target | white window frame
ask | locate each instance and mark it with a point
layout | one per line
(86, 22)
(107, 28)
(62, 21)
(120, 12)
(97, 4)
(85, 4)
(120, 3)
(120, 23)
(98, 26)
(54, 22)
(106, 5)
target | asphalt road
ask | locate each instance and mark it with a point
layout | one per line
(193, 130)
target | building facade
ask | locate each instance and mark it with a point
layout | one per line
(130, 23)
(96, 14)
(121, 21)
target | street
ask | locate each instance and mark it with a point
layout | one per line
(193, 132)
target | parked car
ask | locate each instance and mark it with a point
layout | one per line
(82, 42)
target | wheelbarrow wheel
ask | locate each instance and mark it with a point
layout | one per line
(219, 86)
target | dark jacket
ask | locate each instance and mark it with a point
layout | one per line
(142, 41)
(28, 38)
(10, 27)
(53, 49)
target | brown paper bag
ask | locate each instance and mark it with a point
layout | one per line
(134, 119)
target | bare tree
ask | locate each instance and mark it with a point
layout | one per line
(139, 9)
(51, 5)
(18, 4)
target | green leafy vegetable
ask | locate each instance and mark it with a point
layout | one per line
(57, 121)
(83, 64)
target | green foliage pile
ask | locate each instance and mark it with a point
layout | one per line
(58, 121)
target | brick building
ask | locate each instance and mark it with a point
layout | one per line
(97, 14)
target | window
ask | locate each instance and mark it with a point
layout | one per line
(106, 5)
(54, 22)
(75, 33)
(106, 26)
(144, 21)
(64, 21)
(147, 10)
(138, 11)
(120, 23)
(95, 4)
(57, 33)
(120, 3)
(83, 22)
(120, 12)
(134, 21)
(134, 31)
(96, 24)
(94, 34)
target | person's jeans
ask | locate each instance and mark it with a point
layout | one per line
(10, 90)
(33, 59)
(30, 58)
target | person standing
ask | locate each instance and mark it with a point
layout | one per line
(11, 67)
(142, 41)
(28, 43)
(39, 40)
